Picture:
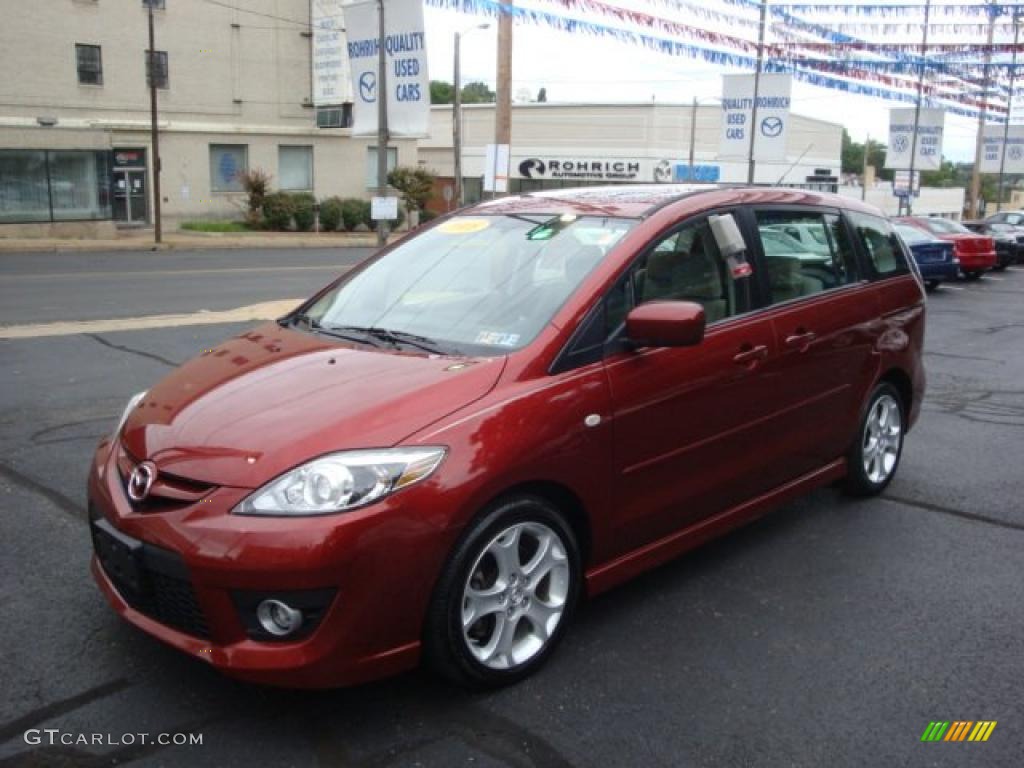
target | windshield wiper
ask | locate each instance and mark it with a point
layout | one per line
(338, 332)
(398, 337)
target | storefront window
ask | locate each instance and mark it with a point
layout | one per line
(67, 185)
(24, 194)
(80, 185)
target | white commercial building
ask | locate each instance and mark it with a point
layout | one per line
(235, 93)
(563, 145)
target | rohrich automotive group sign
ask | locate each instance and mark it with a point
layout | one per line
(595, 169)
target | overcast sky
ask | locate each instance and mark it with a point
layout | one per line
(579, 67)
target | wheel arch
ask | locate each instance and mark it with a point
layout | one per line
(567, 502)
(901, 381)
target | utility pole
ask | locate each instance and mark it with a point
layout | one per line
(382, 119)
(917, 106)
(154, 131)
(1009, 109)
(973, 206)
(693, 137)
(457, 114)
(457, 121)
(503, 108)
(757, 89)
(864, 169)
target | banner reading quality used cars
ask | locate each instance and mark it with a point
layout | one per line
(992, 149)
(773, 102)
(408, 89)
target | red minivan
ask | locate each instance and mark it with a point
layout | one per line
(522, 404)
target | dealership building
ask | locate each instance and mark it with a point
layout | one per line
(567, 145)
(235, 93)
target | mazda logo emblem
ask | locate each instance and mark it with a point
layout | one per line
(532, 168)
(140, 482)
(771, 127)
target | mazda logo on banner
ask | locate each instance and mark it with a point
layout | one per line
(532, 168)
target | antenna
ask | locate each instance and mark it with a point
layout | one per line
(795, 162)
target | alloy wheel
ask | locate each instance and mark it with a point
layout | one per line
(883, 433)
(515, 596)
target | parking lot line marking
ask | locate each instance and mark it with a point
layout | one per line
(953, 288)
(995, 279)
(267, 310)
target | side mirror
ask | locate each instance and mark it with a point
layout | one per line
(666, 324)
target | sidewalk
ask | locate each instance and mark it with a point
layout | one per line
(142, 240)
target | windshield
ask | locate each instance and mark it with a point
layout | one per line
(946, 227)
(913, 235)
(473, 284)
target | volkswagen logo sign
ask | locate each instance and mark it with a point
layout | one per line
(532, 168)
(140, 482)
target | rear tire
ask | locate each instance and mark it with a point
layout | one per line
(874, 456)
(931, 285)
(506, 595)
(974, 274)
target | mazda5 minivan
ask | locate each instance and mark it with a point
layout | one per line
(520, 405)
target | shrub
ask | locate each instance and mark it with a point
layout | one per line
(355, 212)
(330, 214)
(278, 209)
(426, 216)
(255, 182)
(302, 210)
(415, 185)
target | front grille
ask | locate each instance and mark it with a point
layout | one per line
(151, 580)
(168, 492)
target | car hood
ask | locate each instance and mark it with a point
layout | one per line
(272, 398)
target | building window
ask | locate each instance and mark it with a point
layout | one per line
(227, 164)
(157, 4)
(159, 73)
(90, 64)
(371, 164)
(66, 185)
(334, 117)
(295, 168)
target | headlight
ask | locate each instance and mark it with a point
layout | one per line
(135, 400)
(342, 481)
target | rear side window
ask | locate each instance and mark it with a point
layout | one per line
(805, 253)
(881, 244)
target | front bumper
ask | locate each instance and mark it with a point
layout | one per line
(380, 563)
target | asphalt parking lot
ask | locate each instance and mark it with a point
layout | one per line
(827, 634)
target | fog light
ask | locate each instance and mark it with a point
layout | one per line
(278, 618)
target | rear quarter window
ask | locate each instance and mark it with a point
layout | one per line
(880, 243)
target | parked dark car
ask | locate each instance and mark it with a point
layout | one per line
(935, 258)
(1013, 218)
(520, 404)
(1008, 238)
(977, 253)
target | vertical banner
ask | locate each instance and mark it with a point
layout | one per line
(930, 127)
(992, 149)
(773, 102)
(408, 88)
(331, 85)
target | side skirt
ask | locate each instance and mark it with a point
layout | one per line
(625, 567)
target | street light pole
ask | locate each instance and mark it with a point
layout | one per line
(153, 131)
(457, 114)
(917, 107)
(993, 11)
(382, 119)
(757, 90)
(1009, 109)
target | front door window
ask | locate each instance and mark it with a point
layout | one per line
(130, 203)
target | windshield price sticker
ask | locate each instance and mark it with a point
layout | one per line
(496, 339)
(464, 226)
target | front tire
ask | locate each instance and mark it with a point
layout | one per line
(505, 596)
(875, 454)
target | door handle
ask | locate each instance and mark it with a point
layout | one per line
(750, 355)
(801, 339)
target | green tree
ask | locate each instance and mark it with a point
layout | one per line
(472, 93)
(853, 157)
(414, 184)
(441, 92)
(477, 93)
